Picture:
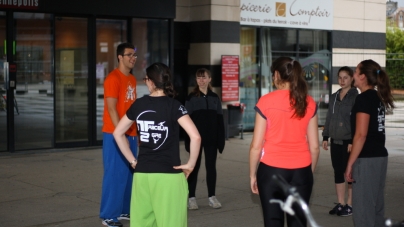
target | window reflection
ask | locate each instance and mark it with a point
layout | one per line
(110, 33)
(34, 110)
(150, 37)
(3, 116)
(249, 77)
(309, 47)
(71, 91)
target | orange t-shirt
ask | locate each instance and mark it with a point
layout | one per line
(285, 144)
(123, 88)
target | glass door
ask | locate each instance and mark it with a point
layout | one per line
(71, 80)
(33, 112)
(110, 33)
(3, 93)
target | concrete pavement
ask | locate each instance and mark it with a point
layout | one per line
(62, 188)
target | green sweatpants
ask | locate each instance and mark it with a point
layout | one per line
(159, 200)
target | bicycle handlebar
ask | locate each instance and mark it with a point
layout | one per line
(389, 223)
(292, 197)
(283, 185)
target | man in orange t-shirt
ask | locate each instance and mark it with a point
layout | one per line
(119, 94)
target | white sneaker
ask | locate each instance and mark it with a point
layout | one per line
(192, 205)
(213, 202)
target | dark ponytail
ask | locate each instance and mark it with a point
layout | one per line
(291, 71)
(377, 78)
(160, 74)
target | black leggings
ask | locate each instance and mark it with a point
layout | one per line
(339, 160)
(301, 178)
(210, 164)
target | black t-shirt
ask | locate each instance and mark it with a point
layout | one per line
(369, 102)
(158, 131)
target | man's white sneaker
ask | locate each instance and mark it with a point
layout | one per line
(213, 202)
(192, 205)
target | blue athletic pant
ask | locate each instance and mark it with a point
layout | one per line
(117, 180)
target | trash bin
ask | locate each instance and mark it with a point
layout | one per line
(235, 120)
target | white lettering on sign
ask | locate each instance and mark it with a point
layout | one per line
(23, 4)
(313, 14)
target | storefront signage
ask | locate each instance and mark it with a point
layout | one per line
(230, 78)
(19, 4)
(313, 14)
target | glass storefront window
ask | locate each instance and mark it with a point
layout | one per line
(150, 38)
(52, 57)
(3, 112)
(315, 59)
(34, 111)
(282, 39)
(309, 47)
(249, 77)
(71, 80)
(313, 40)
(110, 33)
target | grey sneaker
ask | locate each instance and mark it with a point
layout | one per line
(213, 202)
(192, 205)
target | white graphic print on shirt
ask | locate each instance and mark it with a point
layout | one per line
(150, 131)
(380, 117)
(183, 110)
(130, 93)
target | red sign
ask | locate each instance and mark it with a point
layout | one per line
(230, 78)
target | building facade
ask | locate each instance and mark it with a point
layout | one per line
(59, 53)
(323, 35)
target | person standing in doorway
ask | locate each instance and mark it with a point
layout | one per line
(285, 142)
(367, 163)
(338, 127)
(206, 112)
(119, 95)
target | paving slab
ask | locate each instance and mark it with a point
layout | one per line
(62, 188)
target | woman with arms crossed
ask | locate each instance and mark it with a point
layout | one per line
(367, 163)
(160, 189)
(285, 141)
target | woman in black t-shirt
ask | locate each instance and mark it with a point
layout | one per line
(367, 164)
(160, 190)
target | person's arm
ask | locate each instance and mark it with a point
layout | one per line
(326, 131)
(188, 125)
(221, 137)
(312, 138)
(113, 112)
(188, 107)
(361, 131)
(255, 150)
(120, 138)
